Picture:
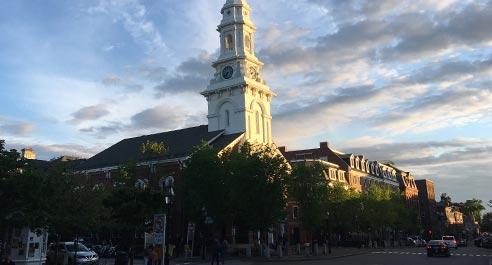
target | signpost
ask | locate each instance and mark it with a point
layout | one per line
(160, 232)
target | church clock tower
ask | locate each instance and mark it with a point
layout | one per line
(238, 98)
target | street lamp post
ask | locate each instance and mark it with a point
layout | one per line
(168, 188)
(329, 231)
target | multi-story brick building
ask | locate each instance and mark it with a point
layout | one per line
(428, 207)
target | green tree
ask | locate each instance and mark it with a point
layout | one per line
(131, 206)
(246, 187)
(308, 186)
(474, 207)
(446, 199)
(76, 204)
(487, 222)
(344, 209)
(46, 197)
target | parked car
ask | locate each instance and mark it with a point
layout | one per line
(437, 248)
(487, 242)
(419, 242)
(462, 242)
(450, 241)
(63, 253)
(416, 242)
(478, 242)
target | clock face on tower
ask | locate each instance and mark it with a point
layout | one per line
(227, 72)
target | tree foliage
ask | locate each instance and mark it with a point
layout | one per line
(474, 207)
(309, 187)
(153, 148)
(487, 222)
(131, 206)
(46, 197)
(246, 187)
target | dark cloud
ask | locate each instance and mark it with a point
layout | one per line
(191, 75)
(16, 128)
(450, 70)
(162, 117)
(105, 131)
(459, 167)
(89, 113)
(467, 27)
(442, 108)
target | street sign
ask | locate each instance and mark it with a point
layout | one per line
(159, 228)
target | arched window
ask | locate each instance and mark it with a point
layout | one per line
(227, 118)
(228, 42)
(247, 42)
(257, 122)
(249, 126)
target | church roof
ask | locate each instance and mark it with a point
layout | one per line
(178, 144)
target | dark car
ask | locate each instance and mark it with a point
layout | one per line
(437, 248)
(487, 242)
(478, 241)
(462, 242)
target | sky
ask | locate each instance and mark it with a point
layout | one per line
(403, 80)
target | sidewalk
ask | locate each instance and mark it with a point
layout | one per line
(336, 253)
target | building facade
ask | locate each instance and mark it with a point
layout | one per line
(428, 208)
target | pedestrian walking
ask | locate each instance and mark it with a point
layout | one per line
(153, 256)
(223, 250)
(7, 261)
(216, 251)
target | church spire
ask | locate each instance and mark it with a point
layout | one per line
(238, 98)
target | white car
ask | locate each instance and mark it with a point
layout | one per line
(450, 241)
(64, 253)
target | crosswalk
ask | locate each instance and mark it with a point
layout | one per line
(423, 253)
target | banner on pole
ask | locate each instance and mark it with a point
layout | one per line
(159, 228)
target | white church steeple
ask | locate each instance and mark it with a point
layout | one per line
(238, 98)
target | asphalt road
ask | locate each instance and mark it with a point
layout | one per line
(414, 256)
(411, 256)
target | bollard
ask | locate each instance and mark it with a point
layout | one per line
(316, 249)
(280, 251)
(325, 249)
(267, 251)
(248, 251)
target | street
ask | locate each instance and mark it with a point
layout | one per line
(410, 256)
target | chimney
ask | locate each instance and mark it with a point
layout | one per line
(282, 149)
(28, 154)
(323, 145)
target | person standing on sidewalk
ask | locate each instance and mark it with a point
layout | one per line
(7, 261)
(223, 250)
(216, 251)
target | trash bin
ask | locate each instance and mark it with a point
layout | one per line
(121, 258)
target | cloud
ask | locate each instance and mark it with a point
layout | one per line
(16, 128)
(89, 113)
(468, 27)
(104, 131)
(128, 84)
(192, 75)
(452, 70)
(455, 106)
(163, 117)
(50, 151)
(133, 16)
(461, 167)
